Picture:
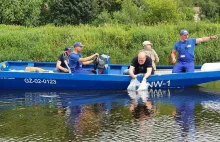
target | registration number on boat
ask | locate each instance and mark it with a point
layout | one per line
(40, 81)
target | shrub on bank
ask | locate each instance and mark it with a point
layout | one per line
(121, 42)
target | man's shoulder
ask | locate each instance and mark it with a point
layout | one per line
(192, 39)
(60, 57)
(134, 61)
(149, 58)
(74, 54)
(178, 42)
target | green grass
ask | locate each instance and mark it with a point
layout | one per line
(211, 85)
(121, 42)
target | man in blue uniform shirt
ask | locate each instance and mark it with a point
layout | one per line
(185, 48)
(76, 60)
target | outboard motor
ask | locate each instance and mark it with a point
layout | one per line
(4, 66)
(102, 63)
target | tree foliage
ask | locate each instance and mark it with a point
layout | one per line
(161, 10)
(74, 12)
(210, 9)
(20, 12)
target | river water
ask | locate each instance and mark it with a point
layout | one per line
(153, 115)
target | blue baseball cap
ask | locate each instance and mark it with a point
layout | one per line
(68, 48)
(184, 32)
(76, 44)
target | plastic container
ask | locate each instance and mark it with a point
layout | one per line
(211, 67)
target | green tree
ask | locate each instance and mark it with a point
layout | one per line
(74, 11)
(186, 8)
(130, 13)
(20, 12)
(45, 14)
(162, 11)
(109, 5)
(210, 9)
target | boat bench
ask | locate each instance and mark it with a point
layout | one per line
(30, 64)
(123, 68)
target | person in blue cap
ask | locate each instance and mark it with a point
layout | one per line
(76, 60)
(185, 48)
(61, 66)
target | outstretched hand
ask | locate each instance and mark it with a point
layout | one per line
(96, 54)
(214, 37)
(95, 59)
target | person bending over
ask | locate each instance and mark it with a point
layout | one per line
(141, 64)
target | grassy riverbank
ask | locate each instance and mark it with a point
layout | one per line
(211, 85)
(121, 42)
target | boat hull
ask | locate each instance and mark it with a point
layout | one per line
(15, 80)
(113, 79)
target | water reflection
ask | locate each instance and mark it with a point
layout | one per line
(184, 117)
(141, 106)
(183, 111)
(153, 115)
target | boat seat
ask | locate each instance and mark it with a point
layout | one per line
(168, 71)
(123, 68)
(31, 64)
(163, 71)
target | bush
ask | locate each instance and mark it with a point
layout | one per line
(148, 12)
(19, 12)
(121, 42)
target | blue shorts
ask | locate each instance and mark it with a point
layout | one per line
(183, 67)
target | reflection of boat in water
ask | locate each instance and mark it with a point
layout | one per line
(76, 110)
(63, 98)
(73, 98)
(179, 95)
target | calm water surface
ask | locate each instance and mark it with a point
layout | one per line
(153, 115)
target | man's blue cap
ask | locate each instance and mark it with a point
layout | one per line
(68, 48)
(184, 32)
(76, 44)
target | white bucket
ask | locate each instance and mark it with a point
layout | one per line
(211, 67)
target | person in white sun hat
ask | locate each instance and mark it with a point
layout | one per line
(147, 49)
